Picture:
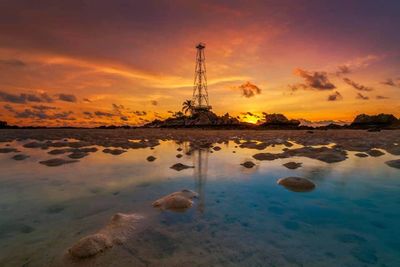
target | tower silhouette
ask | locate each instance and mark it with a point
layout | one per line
(200, 92)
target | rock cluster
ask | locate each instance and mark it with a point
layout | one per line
(297, 184)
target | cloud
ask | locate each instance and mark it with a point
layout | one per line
(380, 97)
(103, 114)
(343, 69)
(335, 97)
(154, 102)
(249, 90)
(139, 113)
(391, 82)
(363, 97)
(9, 108)
(87, 100)
(317, 80)
(42, 115)
(357, 86)
(88, 114)
(24, 98)
(43, 107)
(67, 98)
(12, 62)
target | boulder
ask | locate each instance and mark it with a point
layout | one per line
(180, 200)
(361, 155)
(8, 150)
(297, 184)
(120, 228)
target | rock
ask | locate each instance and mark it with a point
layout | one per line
(254, 145)
(180, 200)
(56, 162)
(59, 151)
(20, 157)
(297, 184)
(217, 148)
(361, 155)
(179, 156)
(78, 155)
(375, 153)
(179, 149)
(248, 164)
(115, 151)
(279, 121)
(266, 156)
(117, 231)
(374, 121)
(8, 150)
(180, 166)
(394, 163)
(151, 158)
(292, 165)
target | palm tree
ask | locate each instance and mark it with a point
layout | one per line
(187, 106)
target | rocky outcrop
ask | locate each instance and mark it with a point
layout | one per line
(204, 118)
(180, 200)
(373, 121)
(279, 121)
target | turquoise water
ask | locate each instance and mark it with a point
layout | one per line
(242, 218)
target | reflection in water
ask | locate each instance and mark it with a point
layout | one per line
(200, 160)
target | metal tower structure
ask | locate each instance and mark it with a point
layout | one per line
(200, 93)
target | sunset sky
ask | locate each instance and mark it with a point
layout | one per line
(88, 63)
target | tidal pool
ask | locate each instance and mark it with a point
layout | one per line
(241, 218)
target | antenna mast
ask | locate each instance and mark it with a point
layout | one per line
(200, 92)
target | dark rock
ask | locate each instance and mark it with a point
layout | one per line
(394, 163)
(375, 153)
(179, 156)
(180, 167)
(114, 152)
(266, 156)
(361, 155)
(217, 148)
(78, 155)
(248, 164)
(297, 184)
(20, 157)
(8, 150)
(292, 165)
(56, 162)
(151, 158)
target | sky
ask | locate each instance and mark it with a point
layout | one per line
(90, 63)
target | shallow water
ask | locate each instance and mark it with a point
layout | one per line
(242, 218)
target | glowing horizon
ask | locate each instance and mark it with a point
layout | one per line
(128, 62)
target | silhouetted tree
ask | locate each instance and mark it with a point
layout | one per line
(187, 106)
